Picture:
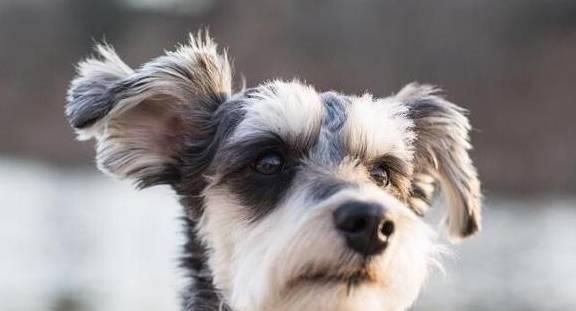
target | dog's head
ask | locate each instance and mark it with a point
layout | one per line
(304, 200)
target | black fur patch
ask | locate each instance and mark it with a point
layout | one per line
(261, 193)
(199, 294)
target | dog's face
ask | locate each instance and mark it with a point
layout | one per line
(304, 200)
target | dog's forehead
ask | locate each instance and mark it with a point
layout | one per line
(291, 110)
(296, 112)
(376, 127)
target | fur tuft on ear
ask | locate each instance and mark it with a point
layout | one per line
(87, 95)
(441, 156)
(142, 118)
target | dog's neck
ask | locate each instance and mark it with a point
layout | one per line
(200, 293)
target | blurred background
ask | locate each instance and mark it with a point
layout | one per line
(74, 240)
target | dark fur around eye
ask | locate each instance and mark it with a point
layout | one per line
(398, 174)
(258, 191)
(242, 154)
(269, 163)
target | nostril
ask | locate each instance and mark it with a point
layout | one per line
(387, 228)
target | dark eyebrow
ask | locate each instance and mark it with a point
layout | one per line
(235, 155)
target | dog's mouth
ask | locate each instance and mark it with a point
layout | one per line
(349, 278)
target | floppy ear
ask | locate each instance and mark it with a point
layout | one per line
(141, 118)
(441, 157)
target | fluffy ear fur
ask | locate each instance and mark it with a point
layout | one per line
(441, 157)
(140, 118)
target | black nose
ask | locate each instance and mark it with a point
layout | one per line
(364, 226)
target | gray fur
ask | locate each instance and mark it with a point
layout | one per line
(441, 155)
(91, 94)
(335, 116)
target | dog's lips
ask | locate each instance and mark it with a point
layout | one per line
(324, 277)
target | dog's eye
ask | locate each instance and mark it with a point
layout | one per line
(381, 175)
(269, 163)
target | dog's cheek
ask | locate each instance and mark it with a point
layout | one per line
(221, 227)
(240, 246)
(265, 257)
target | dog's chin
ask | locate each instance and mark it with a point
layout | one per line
(354, 285)
(335, 292)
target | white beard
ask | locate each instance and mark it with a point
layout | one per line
(254, 264)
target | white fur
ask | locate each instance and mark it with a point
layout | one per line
(254, 263)
(380, 125)
(288, 109)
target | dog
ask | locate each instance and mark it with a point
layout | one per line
(294, 199)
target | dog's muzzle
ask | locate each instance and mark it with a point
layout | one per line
(364, 226)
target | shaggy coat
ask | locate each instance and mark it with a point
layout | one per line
(261, 172)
